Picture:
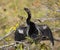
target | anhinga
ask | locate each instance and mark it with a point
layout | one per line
(33, 30)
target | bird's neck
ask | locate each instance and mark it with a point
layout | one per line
(29, 17)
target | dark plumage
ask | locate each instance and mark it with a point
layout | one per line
(46, 33)
(33, 30)
(20, 33)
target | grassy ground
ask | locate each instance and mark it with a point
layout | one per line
(12, 10)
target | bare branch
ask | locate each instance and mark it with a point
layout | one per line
(58, 10)
(57, 39)
(13, 44)
(49, 19)
(7, 35)
(56, 30)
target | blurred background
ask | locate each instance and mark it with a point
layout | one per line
(12, 15)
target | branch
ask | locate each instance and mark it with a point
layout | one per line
(50, 19)
(58, 10)
(7, 35)
(13, 44)
(55, 39)
(56, 29)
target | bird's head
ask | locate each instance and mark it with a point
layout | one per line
(27, 10)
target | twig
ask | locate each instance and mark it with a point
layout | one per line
(57, 39)
(49, 19)
(7, 45)
(7, 35)
(58, 10)
(56, 30)
(13, 44)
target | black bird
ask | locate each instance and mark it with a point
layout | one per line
(33, 30)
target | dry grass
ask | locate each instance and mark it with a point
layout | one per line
(11, 10)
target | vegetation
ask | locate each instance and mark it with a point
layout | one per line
(11, 12)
